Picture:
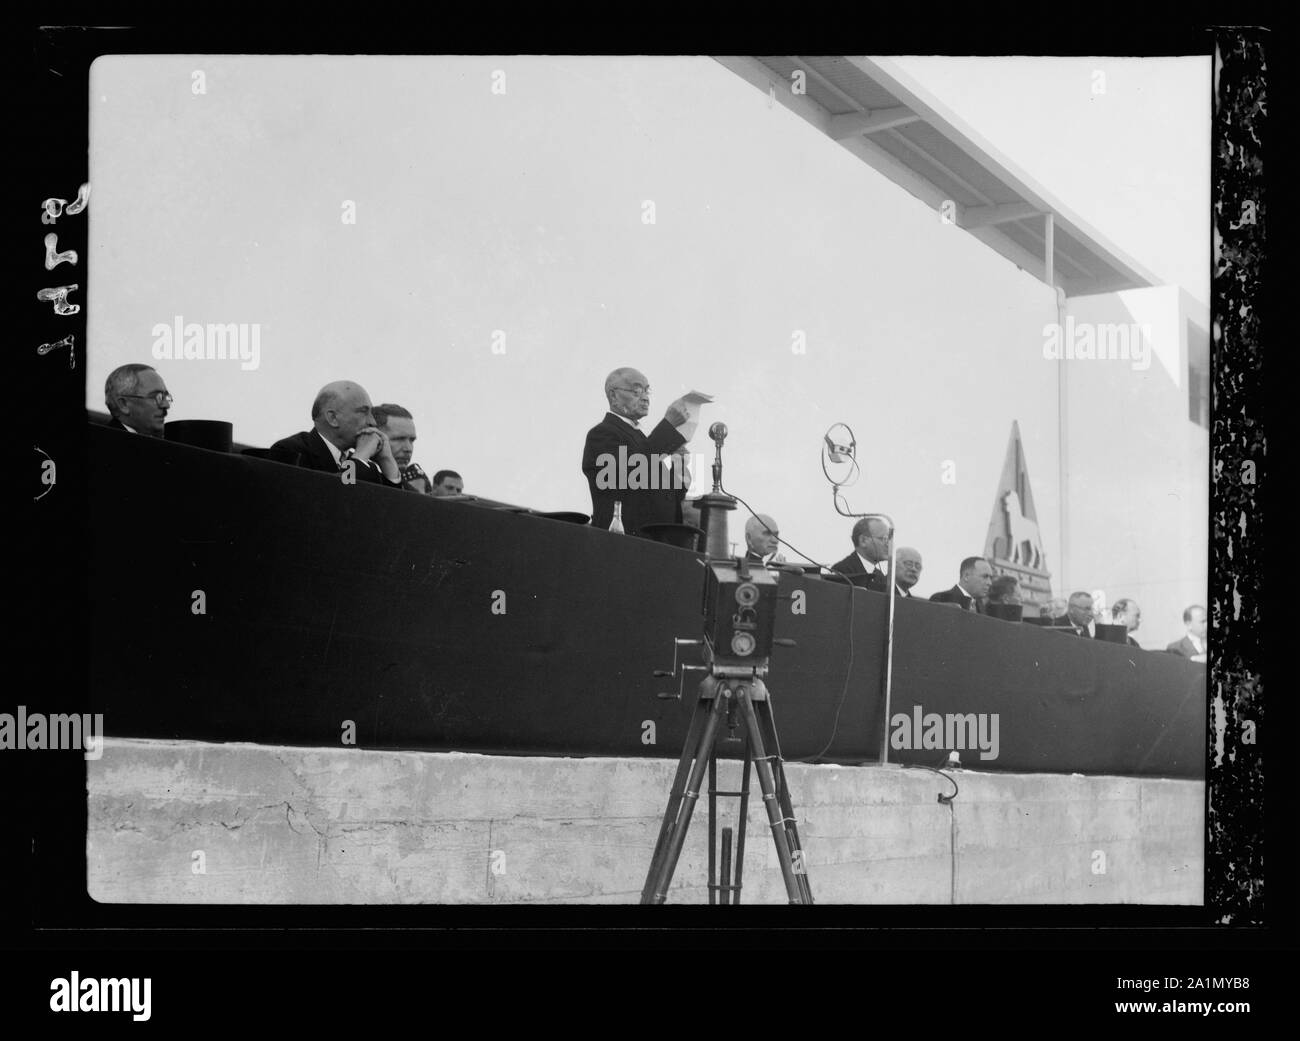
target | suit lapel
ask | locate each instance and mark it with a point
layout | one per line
(629, 434)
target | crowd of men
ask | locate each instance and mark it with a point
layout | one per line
(375, 442)
(627, 398)
(977, 588)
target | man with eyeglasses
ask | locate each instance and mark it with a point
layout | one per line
(344, 437)
(137, 400)
(907, 570)
(625, 464)
(1078, 616)
(865, 566)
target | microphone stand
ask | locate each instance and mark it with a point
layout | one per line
(715, 506)
(891, 577)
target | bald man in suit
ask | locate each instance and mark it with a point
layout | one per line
(762, 540)
(623, 463)
(344, 437)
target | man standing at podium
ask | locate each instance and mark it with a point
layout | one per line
(625, 464)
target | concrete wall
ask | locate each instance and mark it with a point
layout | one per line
(292, 825)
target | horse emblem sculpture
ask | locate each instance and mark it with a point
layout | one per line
(1024, 544)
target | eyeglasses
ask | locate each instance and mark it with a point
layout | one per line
(159, 397)
(636, 389)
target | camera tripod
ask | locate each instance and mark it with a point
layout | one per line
(729, 691)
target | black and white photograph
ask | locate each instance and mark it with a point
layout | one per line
(534, 480)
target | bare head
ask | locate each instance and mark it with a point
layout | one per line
(399, 425)
(628, 393)
(341, 411)
(975, 576)
(136, 396)
(447, 482)
(871, 539)
(1126, 612)
(1004, 589)
(761, 534)
(1195, 619)
(1079, 609)
(907, 570)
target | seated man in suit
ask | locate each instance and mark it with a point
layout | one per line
(973, 580)
(865, 566)
(762, 540)
(344, 437)
(398, 425)
(1193, 645)
(624, 464)
(137, 400)
(907, 570)
(1126, 612)
(1078, 616)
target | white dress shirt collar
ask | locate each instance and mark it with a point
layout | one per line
(334, 449)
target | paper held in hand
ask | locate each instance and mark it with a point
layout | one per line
(691, 402)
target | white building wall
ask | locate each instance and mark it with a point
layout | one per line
(1138, 479)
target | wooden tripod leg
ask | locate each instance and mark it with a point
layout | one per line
(693, 731)
(798, 893)
(763, 709)
(747, 760)
(681, 804)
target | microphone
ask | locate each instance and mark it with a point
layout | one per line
(837, 453)
(718, 432)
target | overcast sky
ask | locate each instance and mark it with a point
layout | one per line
(522, 213)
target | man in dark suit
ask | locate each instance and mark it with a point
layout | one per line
(907, 570)
(973, 580)
(865, 566)
(1078, 616)
(762, 539)
(344, 438)
(624, 464)
(1126, 612)
(137, 400)
(1193, 645)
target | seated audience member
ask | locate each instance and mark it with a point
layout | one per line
(343, 431)
(973, 580)
(1078, 616)
(865, 566)
(398, 426)
(907, 570)
(1194, 644)
(1004, 589)
(1054, 609)
(762, 540)
(137, 400)
(1126, 612)
(1003, 600)
(447, 482)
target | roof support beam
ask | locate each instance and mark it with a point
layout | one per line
(851, 124)
(798, 62)
(983, 216)
(925, 157)
(1049, 249)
